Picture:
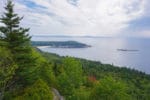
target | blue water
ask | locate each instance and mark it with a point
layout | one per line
(105, 50)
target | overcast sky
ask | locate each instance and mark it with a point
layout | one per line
(85, 17)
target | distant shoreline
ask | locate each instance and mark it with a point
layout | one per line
(60, 44)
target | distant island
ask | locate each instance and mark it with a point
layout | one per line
(131, 50)
(60, 44)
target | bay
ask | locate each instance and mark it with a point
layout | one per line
(105, 50)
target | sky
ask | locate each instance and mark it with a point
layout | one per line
(129, 18)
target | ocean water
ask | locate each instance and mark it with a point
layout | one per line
(104, 49)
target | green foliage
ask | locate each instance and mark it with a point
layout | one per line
(82, 93)
(71, 76)
(41, 71)
(129, 83)
(73, 69)
(46, 73)
(137, 82)
(11, 32)
(7, 70)
(31, 65)
(16, 39)
(110, 89)
(38, 91)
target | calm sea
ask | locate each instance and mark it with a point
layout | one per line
(104, 49)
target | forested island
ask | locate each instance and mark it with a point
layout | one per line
(27, 73)
(60, 44)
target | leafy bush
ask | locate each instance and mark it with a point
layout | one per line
(38, 91)
(110, 89)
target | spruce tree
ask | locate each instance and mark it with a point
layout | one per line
(17, 40)
(7, 70)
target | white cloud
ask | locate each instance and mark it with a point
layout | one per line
(87, 17)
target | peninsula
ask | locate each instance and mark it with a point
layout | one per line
(60, 44)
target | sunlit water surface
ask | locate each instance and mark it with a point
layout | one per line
(105, 50)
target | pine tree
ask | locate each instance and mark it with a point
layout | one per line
(11, 31)
(7, 70)
(17, 40)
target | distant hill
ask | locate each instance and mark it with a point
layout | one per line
(60, 44)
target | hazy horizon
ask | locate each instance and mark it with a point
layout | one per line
(85, 17)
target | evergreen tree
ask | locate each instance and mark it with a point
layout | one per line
(17, 40)
(71, 77)
(7, 70)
